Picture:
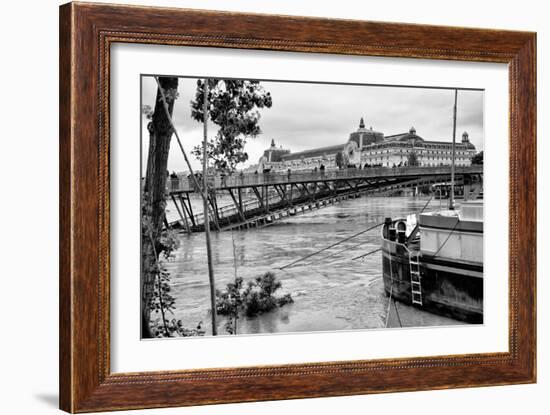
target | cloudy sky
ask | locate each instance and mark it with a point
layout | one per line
(305, 116)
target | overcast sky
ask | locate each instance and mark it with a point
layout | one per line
(305, 116)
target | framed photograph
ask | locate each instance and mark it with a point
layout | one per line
(258, 207)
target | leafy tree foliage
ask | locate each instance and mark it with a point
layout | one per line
(147, 111)
(412, 159)
(233, 106)
(339, 160)
(478, 158)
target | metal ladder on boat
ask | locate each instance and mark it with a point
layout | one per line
(416, 279)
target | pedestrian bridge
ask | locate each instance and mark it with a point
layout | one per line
(264, 198)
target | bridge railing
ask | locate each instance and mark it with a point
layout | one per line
(263, 179)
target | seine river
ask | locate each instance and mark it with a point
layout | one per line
(330, 290)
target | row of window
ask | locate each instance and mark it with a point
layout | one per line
(419, 157)
(401, 144)
(438, 152)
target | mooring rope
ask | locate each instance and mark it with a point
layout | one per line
(347, 249)
(389, 299)
(330, 246)
(351, 247)
(448, 236)
(367, 254)
(427, 203)
(397, 313)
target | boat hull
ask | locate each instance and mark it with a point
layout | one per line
(449, 288)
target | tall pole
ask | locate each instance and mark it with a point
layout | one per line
(205, 209)
(452, 197)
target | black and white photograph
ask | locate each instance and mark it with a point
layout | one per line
(276, 207)
(272, 207)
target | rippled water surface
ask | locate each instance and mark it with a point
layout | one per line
(330, 290)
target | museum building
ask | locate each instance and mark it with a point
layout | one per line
(367, 147)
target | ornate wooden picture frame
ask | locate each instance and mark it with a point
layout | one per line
(87, 32)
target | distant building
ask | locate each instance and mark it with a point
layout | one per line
(272, 157)
(395, 149)
(364, 137)
(367, 147)
(309, 159)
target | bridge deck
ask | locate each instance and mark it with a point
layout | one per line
(279, 195)
(266, 179)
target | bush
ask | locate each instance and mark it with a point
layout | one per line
(256, 298)
(174, 328)
(230, 300)
(285, 299)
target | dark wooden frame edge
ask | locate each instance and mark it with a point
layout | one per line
(86, 33)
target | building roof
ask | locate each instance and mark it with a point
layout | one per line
(403, 137)
(420, 142)
(410, 135)
(314, 152)
(458, 143)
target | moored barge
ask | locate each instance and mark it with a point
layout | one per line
(434, 261)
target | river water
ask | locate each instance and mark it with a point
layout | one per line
(330, 290)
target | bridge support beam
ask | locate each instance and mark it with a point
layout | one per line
(215, 215)
(182, 216)
(238, 204)
(260, 198)
(187, 209)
